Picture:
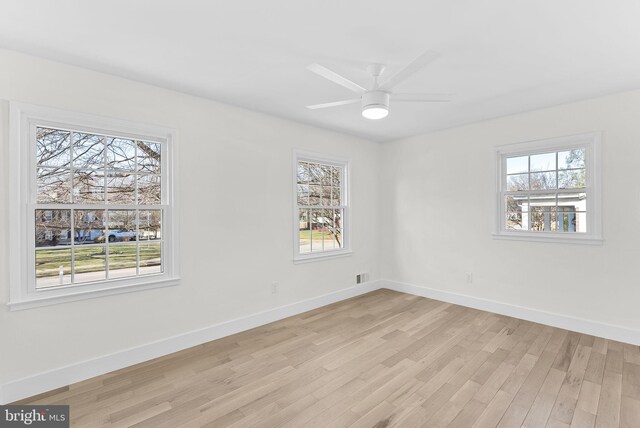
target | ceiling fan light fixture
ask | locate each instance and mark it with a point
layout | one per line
(375, 105)
(375, 113)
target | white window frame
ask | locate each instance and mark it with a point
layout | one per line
(304, 156)
(592, 144)
(23, 120)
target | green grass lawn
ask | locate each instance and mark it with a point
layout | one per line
(317, 235)
(92, 259)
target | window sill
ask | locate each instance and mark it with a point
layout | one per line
(548, 237)
(321, 256)
(40, 298)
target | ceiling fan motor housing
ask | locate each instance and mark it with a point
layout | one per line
(373, 99)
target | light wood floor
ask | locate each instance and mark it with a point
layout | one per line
(378, 360)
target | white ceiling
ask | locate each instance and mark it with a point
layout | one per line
(498, 57)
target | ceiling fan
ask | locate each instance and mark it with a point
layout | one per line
(375, 101)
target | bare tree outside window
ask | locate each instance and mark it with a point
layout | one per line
(320, 206)
(98, 207)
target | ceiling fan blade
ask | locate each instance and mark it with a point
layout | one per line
(336, 78)
(425, 98)
(334, 104)
(410, 69)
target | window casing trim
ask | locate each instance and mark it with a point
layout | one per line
(307, 156)
(23, 118)
(592, 143)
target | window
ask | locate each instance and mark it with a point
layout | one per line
(93, 206)
(550, 190)
(321, 209)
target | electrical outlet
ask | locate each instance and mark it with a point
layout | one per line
(469, 278)
(274, 288)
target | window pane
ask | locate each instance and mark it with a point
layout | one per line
(325, 200)
(567, 220)
(121, 154)
(336, 197)
(88, 151)
(89, 264)
(518, 165)
(88, 226)
(336, 176)
(150, 258)
(53, 186)
(543, 180)
(514, 220)
(303, 194)
(123, 260)
(52, 147)
(88, 187)
(315, 194)
(317, 227)
(326, 220)
(304, 231)
(516, 203)
(121, 188)
(571, 159)
(333, 229)
(149, 190)
(150, 228)
(518, 182)
(315, 173)
(303, 173)
(122, 226)
(149, 157)
(543, 162)
(571, 179)
(326, 174)
(572, 201)
(324, 233)
(53, 227)
(543, 218)
(53, 267)
(326, 230)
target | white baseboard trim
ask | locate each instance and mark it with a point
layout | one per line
(63, 376)
(580, 325)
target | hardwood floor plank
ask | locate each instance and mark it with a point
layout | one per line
(629, 412)
(589, 397)
(494, 411)
(568, 395)
(610, 396)
(376, 360)
(541, 409)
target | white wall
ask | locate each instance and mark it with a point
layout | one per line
(438, 194)
(235, 169)
(434, 193)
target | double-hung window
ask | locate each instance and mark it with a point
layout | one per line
(550, 190)
(321, 209)
(91, 206)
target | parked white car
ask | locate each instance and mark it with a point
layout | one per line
(119, 235)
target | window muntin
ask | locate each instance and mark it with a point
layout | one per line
(98, 210)
(69, 173)
(550, 189)
(321, 207)
(545, 191)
